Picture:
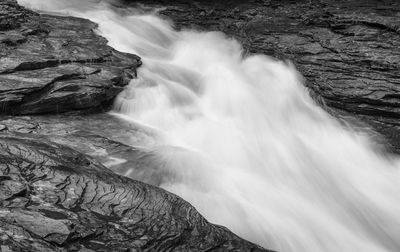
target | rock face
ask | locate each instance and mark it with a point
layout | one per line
(348, 50)
(52, 64)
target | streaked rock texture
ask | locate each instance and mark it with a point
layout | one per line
(100, 136)
(53, 198)
(51, 64)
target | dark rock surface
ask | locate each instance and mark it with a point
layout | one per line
(52, 64)
(53, 198)
(348, 50)
(100, 136)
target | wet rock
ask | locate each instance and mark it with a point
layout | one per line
(52, 64)
(76, 204)
(10, 188)
(100, 136)
(50, 230)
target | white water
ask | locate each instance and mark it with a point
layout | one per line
(241, 140)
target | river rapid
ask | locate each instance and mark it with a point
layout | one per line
(241, 139)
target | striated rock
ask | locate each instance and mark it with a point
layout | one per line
(348, 50)
(101, 136)
(76, 204)
(51, 230)
(52, 64)
(10, 188)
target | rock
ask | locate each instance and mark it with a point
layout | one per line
(101, 136)
(50, 230)
(75, 203)
(52, 64)
(5, 249)
(348, 50)
(10, 188)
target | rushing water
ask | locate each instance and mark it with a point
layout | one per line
(241, 139)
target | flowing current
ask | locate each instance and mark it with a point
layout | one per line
(241, 139)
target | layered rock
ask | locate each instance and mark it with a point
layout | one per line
(52, 64)
(100, 136)
(53, 198)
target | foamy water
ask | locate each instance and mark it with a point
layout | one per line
(241, 140)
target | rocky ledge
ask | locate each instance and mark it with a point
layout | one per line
(56, 194)
(348, 50)
(52, 64)
(53, 198)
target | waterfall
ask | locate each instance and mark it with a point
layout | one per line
(240, 138)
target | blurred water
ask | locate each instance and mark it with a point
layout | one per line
(240, 139)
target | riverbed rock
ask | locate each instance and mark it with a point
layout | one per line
(105, 137)
(74, 203)
(347, 50)
(53, 64)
